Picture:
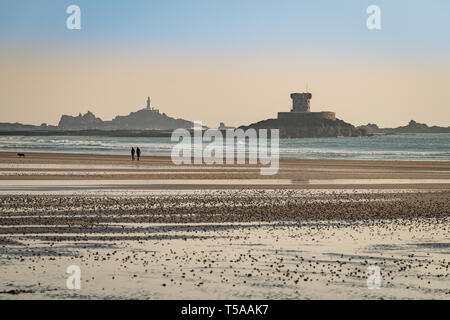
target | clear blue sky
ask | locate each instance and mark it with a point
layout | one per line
(422, 26)
(235, 61)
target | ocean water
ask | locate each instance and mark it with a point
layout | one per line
(412, 147)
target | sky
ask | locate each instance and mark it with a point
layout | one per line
(232, 61)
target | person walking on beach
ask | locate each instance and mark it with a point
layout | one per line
(138, 153)
(132, 153)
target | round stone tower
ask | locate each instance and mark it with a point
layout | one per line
(301, 108)
(301, 102)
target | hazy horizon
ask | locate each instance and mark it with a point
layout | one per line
(225, 61)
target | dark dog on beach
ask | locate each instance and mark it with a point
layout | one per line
(21, 155)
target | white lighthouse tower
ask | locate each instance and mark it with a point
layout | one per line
(148, 103)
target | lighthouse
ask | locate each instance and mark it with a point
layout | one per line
(148, 103)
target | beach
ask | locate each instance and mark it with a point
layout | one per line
(297, 173)
(151, 230)
(330, 121)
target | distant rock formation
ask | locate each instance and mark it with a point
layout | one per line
(412, 127)
(147, 119)
(309, 128)
(300, 122)
(85, 121)
(16, 126)
(144, 119)
(222, 126)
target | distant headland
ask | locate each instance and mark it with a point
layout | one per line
(299, 122)
(411, 127)
(148, 118)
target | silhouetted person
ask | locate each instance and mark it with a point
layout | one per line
(132, 153)
(138, 153)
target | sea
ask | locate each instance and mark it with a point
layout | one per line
(406, 147)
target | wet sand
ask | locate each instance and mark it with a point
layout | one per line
(222, 241)
(301, 173)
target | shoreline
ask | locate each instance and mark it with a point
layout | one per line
(292, 174)
(61, 156)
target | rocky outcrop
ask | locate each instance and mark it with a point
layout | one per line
(144, 119)
(85, 121)
(412, 127)
(147, 119)
(16, 126)
(309, 128)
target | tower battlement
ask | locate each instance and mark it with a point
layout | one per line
(301, 108)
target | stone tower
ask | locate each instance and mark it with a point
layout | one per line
(148, 103)
(301, 109)
(301, 102)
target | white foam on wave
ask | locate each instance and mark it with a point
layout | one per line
(432, 147)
